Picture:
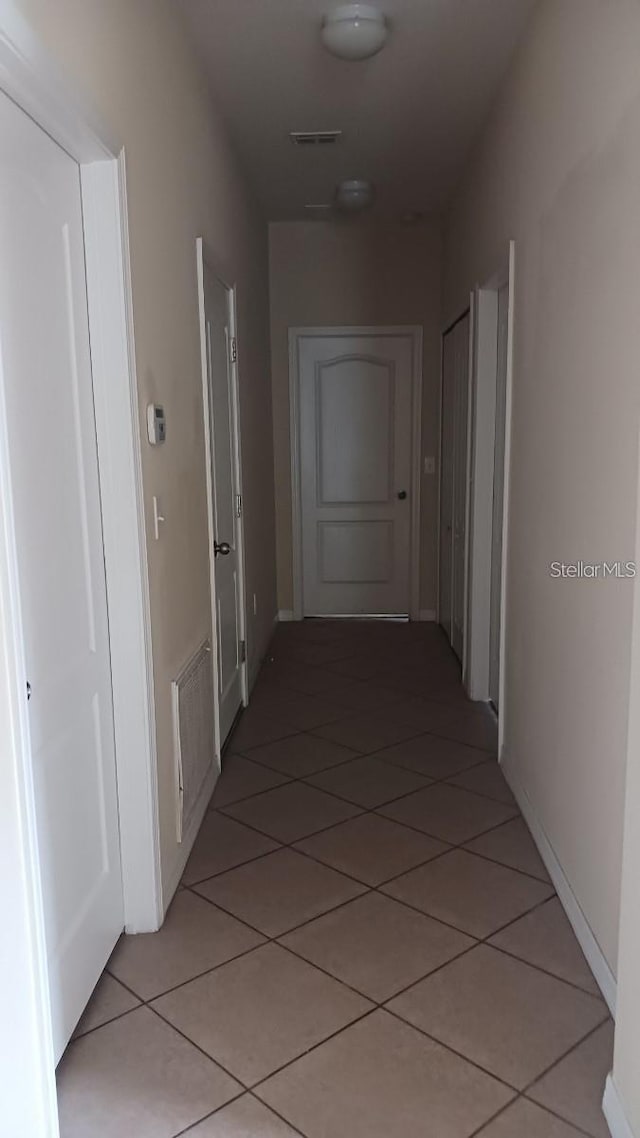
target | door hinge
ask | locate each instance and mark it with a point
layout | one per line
(233, 350)
(238, 505)
(243, 651)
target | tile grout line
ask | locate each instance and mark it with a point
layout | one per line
(565, 1055)
(377, 1005)
(306, 780)
(250, 1088)
(377, 811)
(205, 1117)
(519, 1097)
(219, 1109)
(366, 888)
(362, 812)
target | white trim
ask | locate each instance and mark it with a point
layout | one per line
(427, 615)
(439, 475)
(614, 1112)
(595, 957)
(296, 494)
(485, 345)
(285, 616)
(482, 429)
(258, 661)
(467, 312)
(27, 76)
(115, 395)
(297, 334)
(476, 673)
(416, 475)
(205, 257)
(508, 414)
(468, 485)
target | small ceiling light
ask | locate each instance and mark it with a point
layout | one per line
(354, 194)
(355, 31)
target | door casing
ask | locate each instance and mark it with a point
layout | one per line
(484, 364)
(295, 337)
(204, 256)
(29, 79)
(464, 463)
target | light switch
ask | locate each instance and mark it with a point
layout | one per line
(430, 465)
(156, 424)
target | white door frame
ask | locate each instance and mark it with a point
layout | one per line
(205, 256)
(28, 77)
(470, 312)
(476, 671)
(296, 335)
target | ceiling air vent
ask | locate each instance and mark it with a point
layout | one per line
(315, 137)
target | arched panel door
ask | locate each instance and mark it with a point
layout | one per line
(355, 397)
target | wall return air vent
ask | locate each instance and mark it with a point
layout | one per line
(315, 137)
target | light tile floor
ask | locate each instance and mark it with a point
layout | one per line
(366, 943)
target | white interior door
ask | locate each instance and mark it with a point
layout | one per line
(355, 400)
(460, 483)
(46, 370)
(446, 482)
(498, 496)
(226, 500)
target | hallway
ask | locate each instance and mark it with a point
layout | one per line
(365, 941)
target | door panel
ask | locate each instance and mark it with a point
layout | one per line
(355, 460)
(354, 425)
(54, 470)
(498, 497)
(225, 493)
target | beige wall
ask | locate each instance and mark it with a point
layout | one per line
(354, 272)
(558, 169)
(133, 62)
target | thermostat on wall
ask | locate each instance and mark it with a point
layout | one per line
(156, 424)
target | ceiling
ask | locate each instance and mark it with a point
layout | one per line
(408, 116)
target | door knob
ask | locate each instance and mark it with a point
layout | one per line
(402, 495)
(222, 547)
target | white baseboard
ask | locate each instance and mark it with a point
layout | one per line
(427, 614)
(285, 615)
(613, 1111)
(258, 660)
(595, 957)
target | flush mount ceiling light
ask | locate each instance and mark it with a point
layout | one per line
(355, 31)
(354, 194)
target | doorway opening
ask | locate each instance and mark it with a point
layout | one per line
(454, 483)
(221, 403)
(484, 669)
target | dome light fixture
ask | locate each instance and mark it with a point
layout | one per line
(355, 31)
(354, 194)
